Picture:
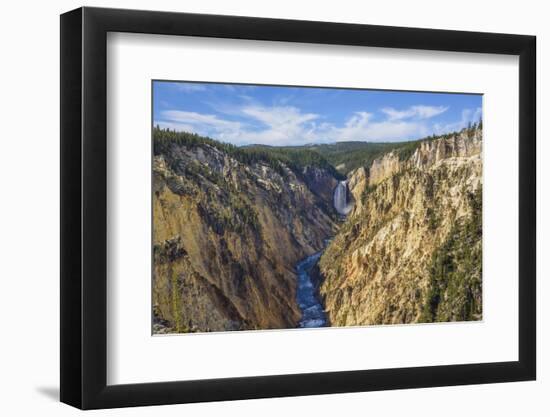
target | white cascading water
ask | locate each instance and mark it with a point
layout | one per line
(341, 198)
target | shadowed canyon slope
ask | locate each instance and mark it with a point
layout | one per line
(410, 251)
(229, 227)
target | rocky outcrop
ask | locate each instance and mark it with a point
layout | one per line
(430, 152)
(227, 235)
(320, 182)
(427, 153)
(410, 251)
(384, 167)
(357, 182)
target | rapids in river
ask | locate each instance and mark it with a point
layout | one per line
(313, 312)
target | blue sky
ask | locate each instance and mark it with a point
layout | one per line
(271, 115)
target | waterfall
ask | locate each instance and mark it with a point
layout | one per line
(341, 203)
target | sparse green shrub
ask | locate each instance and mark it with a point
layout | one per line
(454, 291)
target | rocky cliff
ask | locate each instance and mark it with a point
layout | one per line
(229, 228)
(410, 251)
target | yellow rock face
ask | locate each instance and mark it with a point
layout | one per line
(226, 237)
(379, 267)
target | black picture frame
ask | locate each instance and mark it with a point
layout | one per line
(84, 207)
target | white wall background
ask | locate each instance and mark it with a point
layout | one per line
(29, 225)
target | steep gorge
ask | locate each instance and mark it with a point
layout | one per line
(228, 230)
(238, 232)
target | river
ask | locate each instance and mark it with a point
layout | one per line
(307, 294)
(313, 313)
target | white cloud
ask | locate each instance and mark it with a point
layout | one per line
(414, 112)
(287, 125)
(361, 127)
(279, 126)
(192, 118)
(202, 124)
(279, 117)
(190, 87)
(468, 116)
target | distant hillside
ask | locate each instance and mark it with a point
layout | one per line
(347, 156)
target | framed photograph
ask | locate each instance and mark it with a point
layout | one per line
(256, 208)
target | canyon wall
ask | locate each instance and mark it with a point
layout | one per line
(410, 250)
(227, 235)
